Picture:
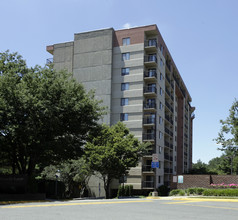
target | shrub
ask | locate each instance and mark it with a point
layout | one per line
(199, 191)
(163, 190)
(220, 192)
(121, 191)
(191, 191)
(174, 192)
(126, 190)
(130, 190)
(182, 193)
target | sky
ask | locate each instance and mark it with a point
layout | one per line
(201, 35)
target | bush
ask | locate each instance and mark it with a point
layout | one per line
(220, 192)
(199, 191)
(182, 193)
(121, 191)
(191, 191)
(175, 192)
(130, 190)
(163, 190)
(126, 190)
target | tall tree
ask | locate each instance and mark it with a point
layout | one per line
(228, 135)
(73, 173)
(45, 116)
(113, 152)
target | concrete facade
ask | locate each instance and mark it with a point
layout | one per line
(134, 74)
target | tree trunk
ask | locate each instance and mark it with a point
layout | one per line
(107, 186)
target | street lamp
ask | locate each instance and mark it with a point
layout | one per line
(57, 175)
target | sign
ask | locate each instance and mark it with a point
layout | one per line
(155, 158)
(154, 164)
(180, 179)
(175, 179)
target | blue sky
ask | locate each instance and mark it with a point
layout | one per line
(202, 36)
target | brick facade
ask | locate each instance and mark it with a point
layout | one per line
(204, 181)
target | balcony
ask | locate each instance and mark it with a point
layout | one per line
(150, 91)
(169, 106)
(147, 168)
(166, 156)
(149, 120)
(150, 106)
(150, 76)
(150, 60)
(149, 137)
(167, 131)
(151, 45)
(148, 184)
(169, 119)
(151, 150)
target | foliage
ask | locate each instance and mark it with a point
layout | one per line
(175, 192)
(163, 190)
(195, 191)
(73, 173)
(126, 190)
(220, 192)
(45, 116)
(113, 152)
(228, 135)
(199, 168)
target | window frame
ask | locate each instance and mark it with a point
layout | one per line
(125, 86)
(124, 117)
(126, 41)
(126, 56)
(124, 101)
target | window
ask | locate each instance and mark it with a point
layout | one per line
(160, 91)
(159, 180)
(160, 105)
(124, 86)
(161, 48)
(161, 62)
(124, 101)
(126, 41)
(124, 117)
(160, 135)
(160, 120)
(125, 71)
(161, 76)
(125, 56)
(160, 149)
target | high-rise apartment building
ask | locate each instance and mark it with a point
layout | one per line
(132, 71)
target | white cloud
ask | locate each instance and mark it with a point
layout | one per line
(127, 26)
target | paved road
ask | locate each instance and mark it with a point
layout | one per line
(162, 209)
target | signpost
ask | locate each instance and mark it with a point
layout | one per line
(155, 164)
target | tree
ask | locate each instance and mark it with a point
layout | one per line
(199, 168)
(228, 135)
(45, 116)
(73, 173)
(113, 152)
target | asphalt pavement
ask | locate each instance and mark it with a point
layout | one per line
(126, 209)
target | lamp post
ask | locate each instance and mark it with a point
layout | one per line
(57, 175)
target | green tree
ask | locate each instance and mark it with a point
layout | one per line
(113, 152)
(45, 116)
(228, 135)
(199, 168)
(73, 173)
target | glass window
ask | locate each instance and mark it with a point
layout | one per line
(160, 149)
(124, 117)
(126, 41)
(160, 105)
(160, 91)
(161, 48)
(160, 119)
(161, 62)
(124, 86)
(125, 71)
(161, 76)
(125, 56)
(124, 101)
(160, 135)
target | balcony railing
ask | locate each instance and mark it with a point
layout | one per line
(151, 43)
(149, 120)
(150, 74)
(149, 105)
(169, 106)
(147, 168)
(150, 58)
(167, 131)
(151, 150)
(166, 156)
(148, 137)
(148, 184)
(150, 89)
(169, 119)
